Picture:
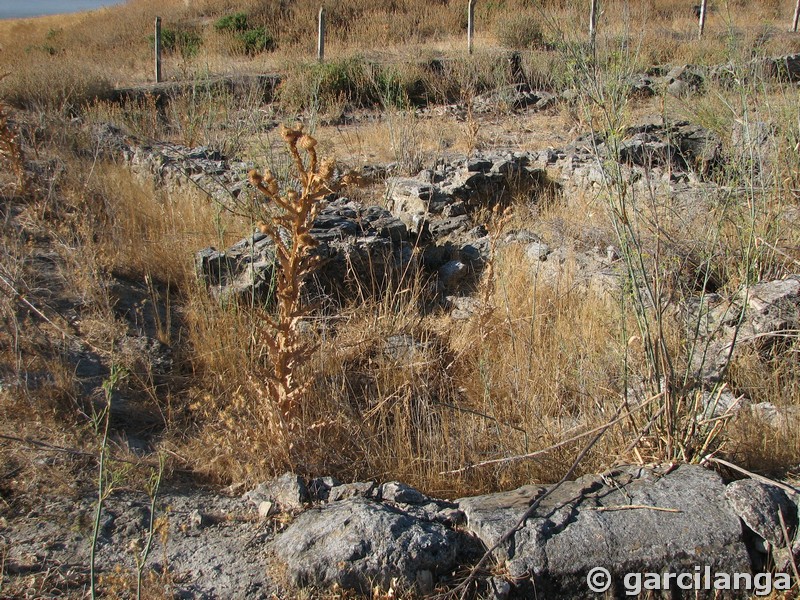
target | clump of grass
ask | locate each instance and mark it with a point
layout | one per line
(60, 83)
(186, 41)
(319, 86)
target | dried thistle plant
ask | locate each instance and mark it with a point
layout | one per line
(290, 230)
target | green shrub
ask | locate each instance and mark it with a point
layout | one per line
(186, 42)
(249, 40)
(256, 40)
(237, 22)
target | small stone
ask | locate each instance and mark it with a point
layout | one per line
(425, 582)
(479, 165)
(234, 489)
(450, 517)
(320, 487)
(758, 505)
(451, 273)
(456, 209)
(464, 307)
(288, 490)
(266, 509)
(395, 491)
(361, 489)
(499, 588)
(537, 251)
(198, 520)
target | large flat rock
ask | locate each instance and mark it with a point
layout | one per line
(628, 520)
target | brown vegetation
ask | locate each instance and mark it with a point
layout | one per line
(547, 362)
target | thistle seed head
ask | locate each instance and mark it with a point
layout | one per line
(326, 168)
(306, 142)
(291, 135)
(254, 177)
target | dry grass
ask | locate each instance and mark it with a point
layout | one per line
(57, 61)
(397, 390)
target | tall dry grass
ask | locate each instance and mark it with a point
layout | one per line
(396, 389)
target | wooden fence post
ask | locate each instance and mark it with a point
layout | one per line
(158, 49)
(796, 16)
(703, 11)
(470, 24)
(321, 36)
(593, 23)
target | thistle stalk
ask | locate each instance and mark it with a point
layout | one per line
(290, 230)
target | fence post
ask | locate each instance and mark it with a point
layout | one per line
(470, 24)
(703, 10)
(321, 36)
(593, 23)
(158, 49)
(796, 16)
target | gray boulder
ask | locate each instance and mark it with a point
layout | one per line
(758, 506)
(358, 543)
(628, 520)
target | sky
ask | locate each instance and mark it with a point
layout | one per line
(14, 9)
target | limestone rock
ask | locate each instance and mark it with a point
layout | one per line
(395, 491)
(758, 504)
(320, 488)
(357, 489)
(361, 247)
(358, 543)
(289, 491)
(585, 524)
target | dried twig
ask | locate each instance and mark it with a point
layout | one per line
(788, 541)
(632, 507)
(756, 476)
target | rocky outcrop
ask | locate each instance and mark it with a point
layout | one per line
(434, 220)
(362, 249)
(224, 545)
(627, 520)
(171, 165)
(758, 317)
